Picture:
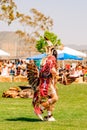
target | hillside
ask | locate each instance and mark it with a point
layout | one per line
(15, 45)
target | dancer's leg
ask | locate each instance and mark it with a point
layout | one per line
(49, 104)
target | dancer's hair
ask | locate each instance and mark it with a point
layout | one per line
(54, 52)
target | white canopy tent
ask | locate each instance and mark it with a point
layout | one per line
(3, 53)
(71, 51)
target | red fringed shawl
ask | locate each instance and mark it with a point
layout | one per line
(44, 82)
(45, 75)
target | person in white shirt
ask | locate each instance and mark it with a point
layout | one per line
(5, 70)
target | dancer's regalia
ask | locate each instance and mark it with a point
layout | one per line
(43, 83)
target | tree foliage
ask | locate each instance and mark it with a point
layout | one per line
(35, 24)
(8, 11)
(41, 43)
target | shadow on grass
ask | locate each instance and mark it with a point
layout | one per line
(24, 119)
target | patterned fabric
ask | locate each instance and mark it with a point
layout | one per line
(45, 75)
(43, 88)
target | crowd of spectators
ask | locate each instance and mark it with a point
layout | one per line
(76, 71)
(19, 67)
(10, 68)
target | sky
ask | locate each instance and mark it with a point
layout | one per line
(69, 17)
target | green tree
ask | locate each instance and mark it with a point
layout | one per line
(41, 43)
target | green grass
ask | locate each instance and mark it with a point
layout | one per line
(70, 111)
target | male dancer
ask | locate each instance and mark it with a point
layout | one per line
(46, 95)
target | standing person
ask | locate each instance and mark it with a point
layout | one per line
(50, 79)
(43, 83)
(5, 70)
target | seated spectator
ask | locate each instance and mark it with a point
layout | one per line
(12, 69)
(77, 72)
(5, 70)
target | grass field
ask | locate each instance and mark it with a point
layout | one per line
(70, 111)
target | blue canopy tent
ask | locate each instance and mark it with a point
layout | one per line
(37, 57)
(65, 56)
(61, 56)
